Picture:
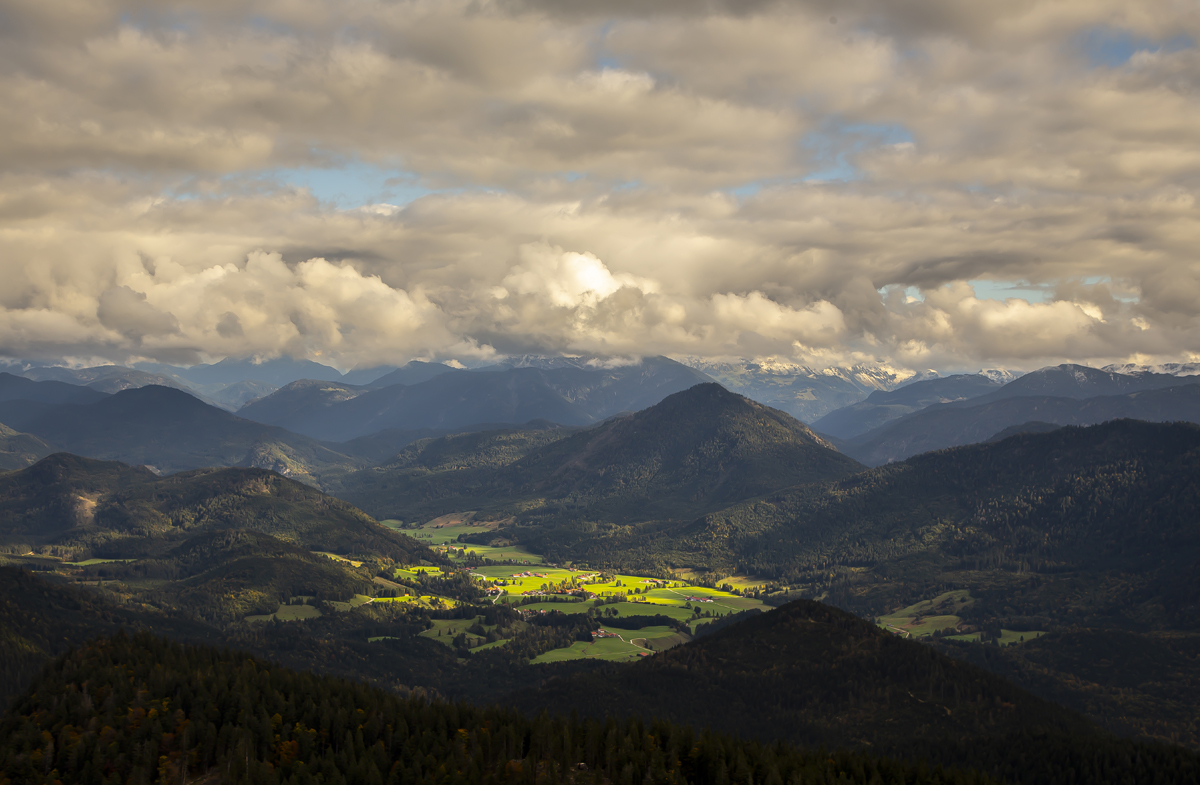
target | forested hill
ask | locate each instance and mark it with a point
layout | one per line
(144, 710)
(79, 507)
(1119, 499)
(172, 431)
(697, 450)
(813, 674)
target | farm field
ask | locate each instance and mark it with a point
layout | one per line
(602, 649)
(924, 618)
(418, 572)
(355, 602)
(1007, 637)
(289, 613)
(513, 553)
(90, 562)
(431, 601)
(445, 630)
(447, 528)
(335, 557)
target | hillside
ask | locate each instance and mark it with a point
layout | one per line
(224, 576)
(1076, 526)
(173, 431)
(696, 450)
(884, 406)
(805, 393)
(811, 674)
(18, 450)
(66, 505)
(458, 399)
(299, 401)
(979, 419)
(172, 711)
(18, 388)
(1080, 381)
(412, 372)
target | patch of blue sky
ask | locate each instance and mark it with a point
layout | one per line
(747, 191)
(344, 187)
(1108, 47)
(1007, 290)
(354, 185)
(911, 293)
(833, 147)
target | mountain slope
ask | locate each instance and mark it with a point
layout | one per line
(298, 402)
(18, 388)
(18, 450)
(173, 431)
(1109, 509)
(1080, 381)
(413, 372)
(885, 405)
(979, 419)
(457, 399)
(76, 506)
(814, 675)
(697, 450)
(802, 392)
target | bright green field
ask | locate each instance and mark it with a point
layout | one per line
(447, 528)
(444, 630)
(418, 572)
(289, 613)
(90, 562)
(928, 616)
(603, 649)
(507, 553)
(1007, 637)
(357, 601)
(335, 557)
(430, 601)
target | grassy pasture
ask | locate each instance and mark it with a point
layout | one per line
(90, 562)
(602, 649)
(1007, 637)
(447, 528)
(356, 601)
(430, 601)
(501, 553)
(444, 630)
(924, 618)
(656, 638)
(417, 572)
(289, 613)
(335, 557)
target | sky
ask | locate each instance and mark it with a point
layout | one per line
(910, 183)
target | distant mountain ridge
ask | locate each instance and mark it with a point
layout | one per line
(883, 406)
(456, 399)
(696, 450)
(87, 507)
(1075, 395)
(172, 431)
(803, 392)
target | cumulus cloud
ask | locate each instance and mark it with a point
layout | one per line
(700, 178)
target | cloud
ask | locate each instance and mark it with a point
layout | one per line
(610, 177)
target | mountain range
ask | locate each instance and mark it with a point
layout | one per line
(456, 399)
(171, 431)
(805, 393)
(949, 412)
(696, 450)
